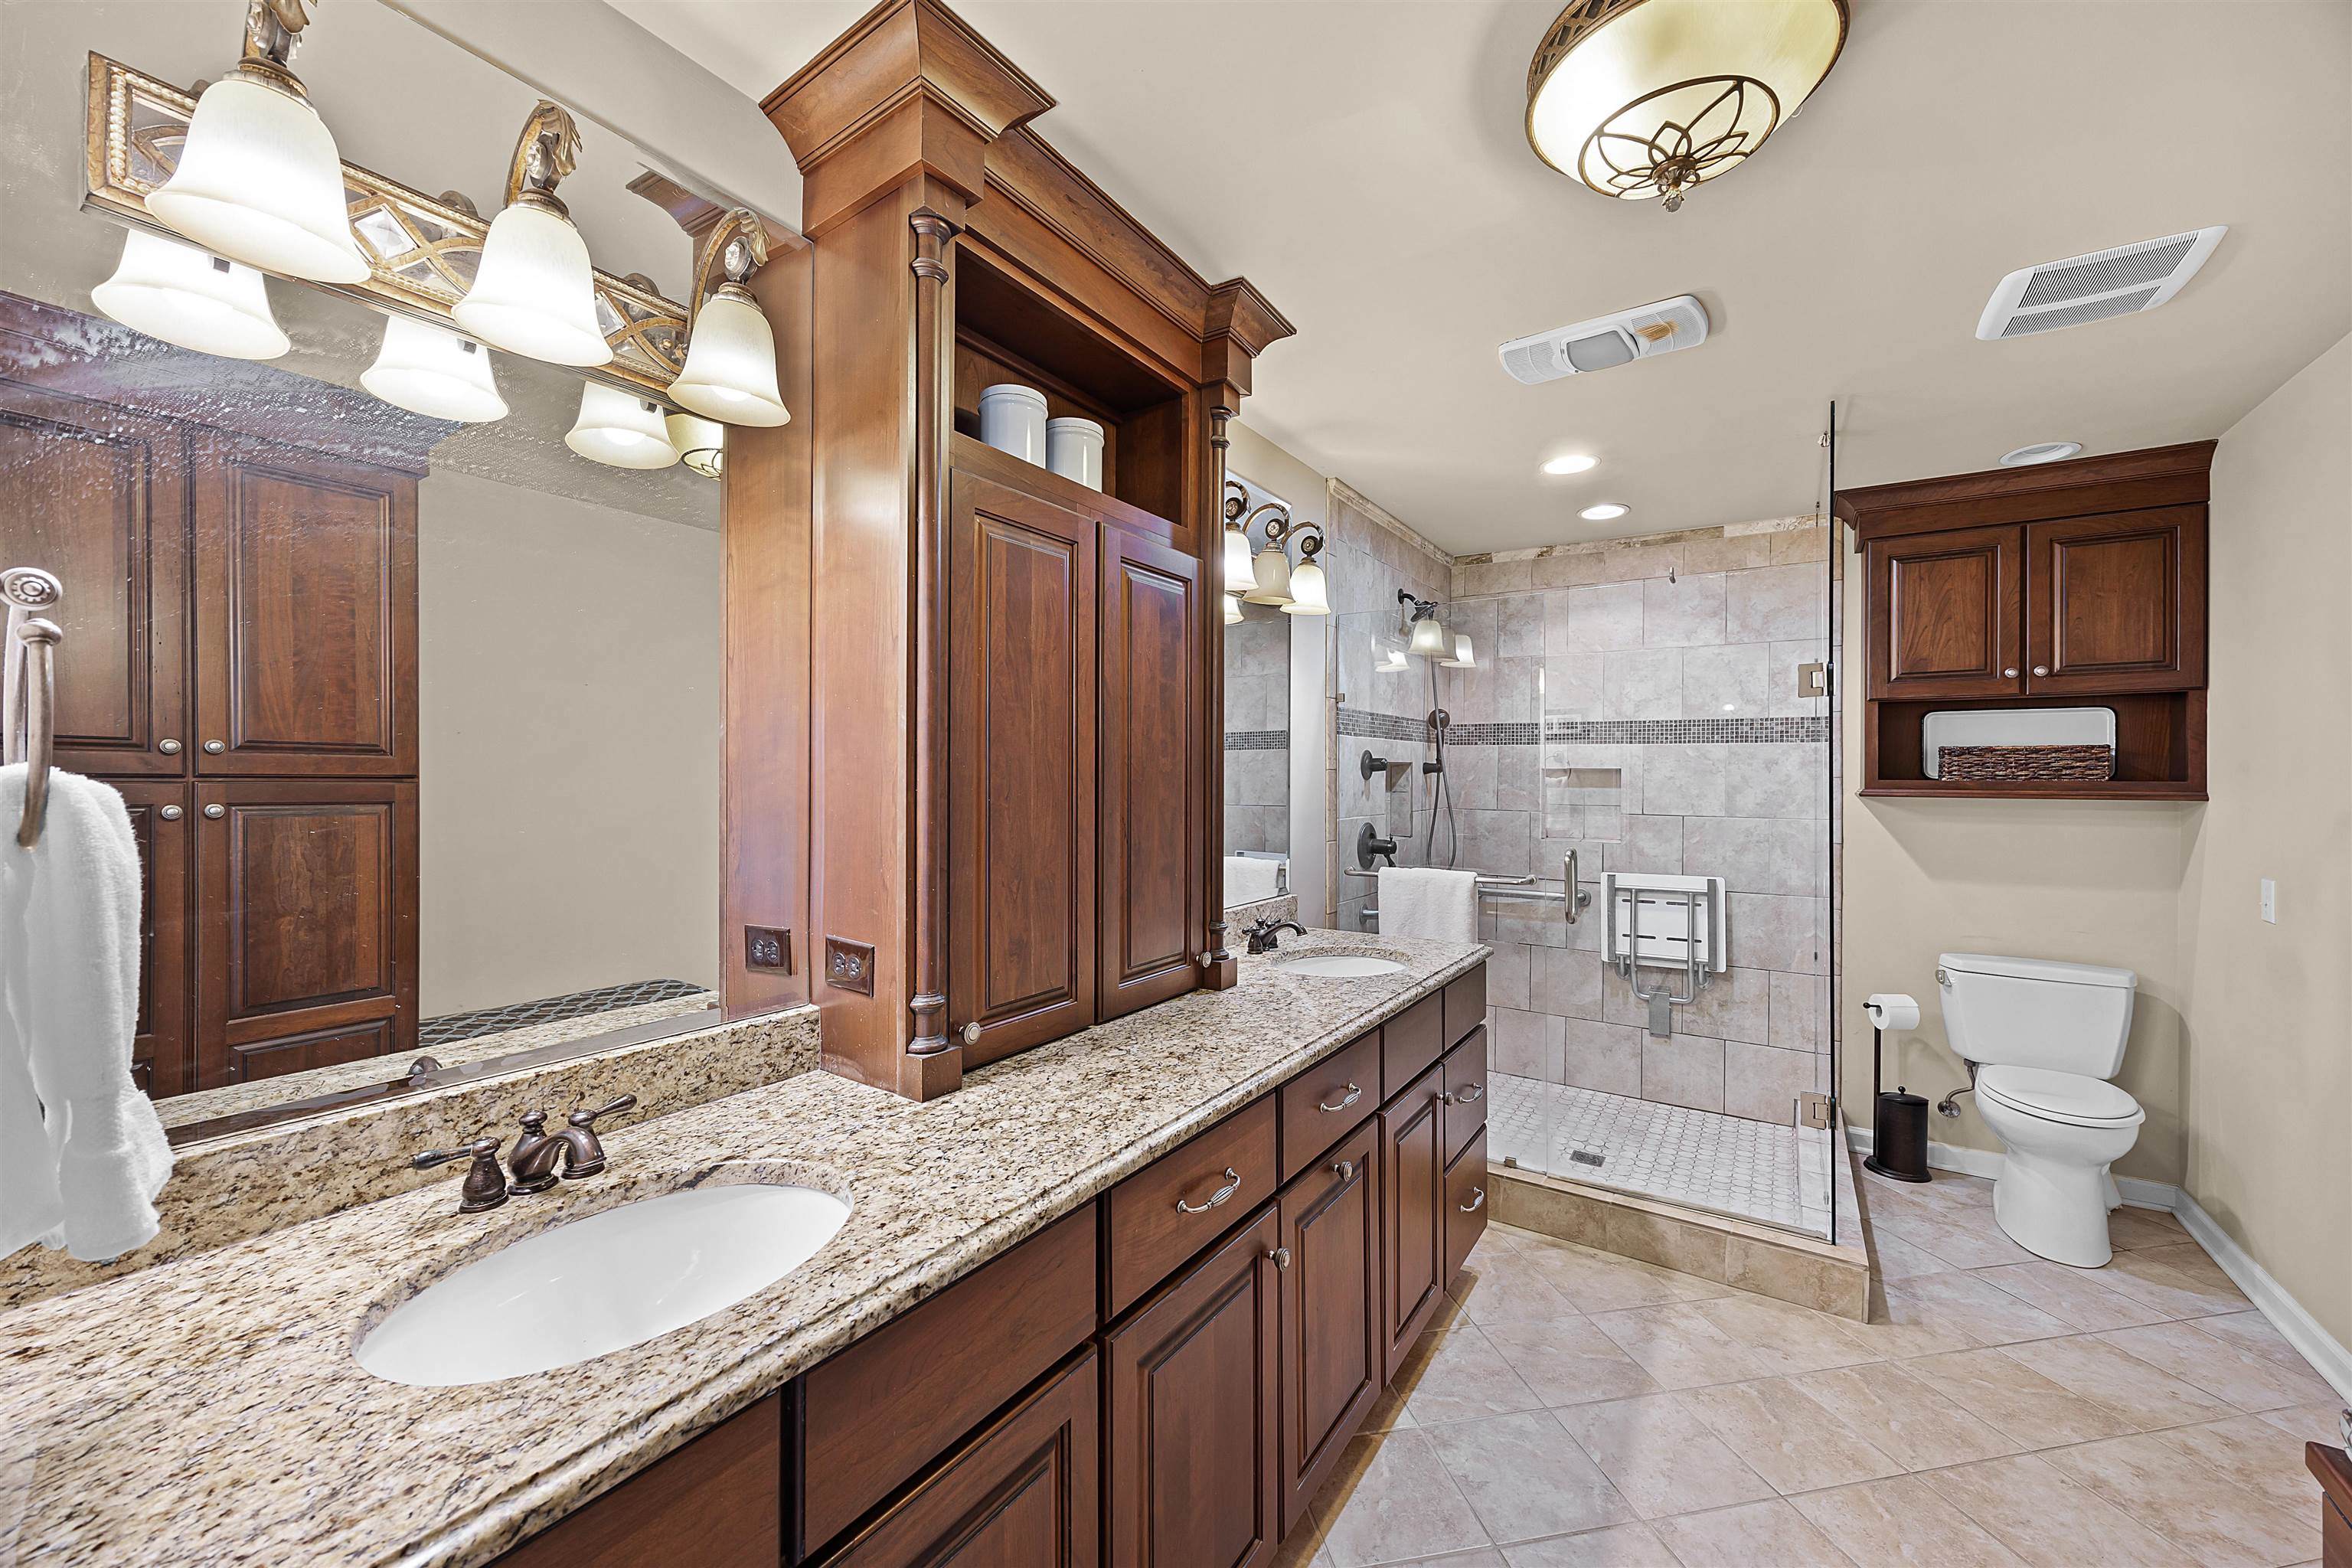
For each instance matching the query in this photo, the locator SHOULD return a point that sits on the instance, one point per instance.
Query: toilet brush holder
(1898, 1128)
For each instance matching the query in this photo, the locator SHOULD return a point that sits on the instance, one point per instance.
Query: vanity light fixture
(730, 354)
(1308, 595)
(1605, 512)
(1241, 576)
(1270, 582)
(701, 443)
(259, 179)
(1643, 98)
(1571, 463)
(2039, 452)
(1233, 609)
(1429, 639)
(1391, 662)
(1460, 660)
(620, 430)
(534, 293)
(437, 373)
(178, 293)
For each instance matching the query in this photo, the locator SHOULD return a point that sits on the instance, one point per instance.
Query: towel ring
(28, 688)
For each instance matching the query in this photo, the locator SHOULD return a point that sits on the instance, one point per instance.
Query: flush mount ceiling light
(258, 178)
(535, 293)
(701, 443)
(620, 430)
(434, 373)
(731, 356)
(1571, 463)
(1643, 98)
(1607, 511)
(179, 294)
(2039, 452)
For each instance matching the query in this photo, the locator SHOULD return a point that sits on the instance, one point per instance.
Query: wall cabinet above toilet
(2064, 585)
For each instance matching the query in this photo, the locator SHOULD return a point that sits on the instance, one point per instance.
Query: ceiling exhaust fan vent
(1604, 342)
(2080, 289)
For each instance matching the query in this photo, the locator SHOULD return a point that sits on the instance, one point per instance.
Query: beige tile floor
(1573, 1409)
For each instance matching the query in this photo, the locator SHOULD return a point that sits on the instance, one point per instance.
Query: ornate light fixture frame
(421, 250)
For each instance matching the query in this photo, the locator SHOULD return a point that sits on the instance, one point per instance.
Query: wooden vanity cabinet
(1334, 1361)
(158, 822)
(1412, 1214)
(714, 1503)
(1946, 613)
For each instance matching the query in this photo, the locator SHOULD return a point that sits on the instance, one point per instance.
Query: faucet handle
(588, 1118)
(486, 1185)
(587, 1150)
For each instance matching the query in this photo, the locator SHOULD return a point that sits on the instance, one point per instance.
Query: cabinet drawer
(1026, 1489)
(1465, 1092)
(1465, 1004)
(1218, 1177)
(1412, 1042)
(879, 1411)
(1322, 1104)
(714, 1503)
(1465, 1204)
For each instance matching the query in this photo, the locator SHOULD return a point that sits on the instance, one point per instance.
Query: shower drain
(1586, 1157)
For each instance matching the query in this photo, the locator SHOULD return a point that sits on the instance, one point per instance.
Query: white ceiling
(1362, 162)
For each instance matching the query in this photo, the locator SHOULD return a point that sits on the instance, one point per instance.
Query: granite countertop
(208, 1410)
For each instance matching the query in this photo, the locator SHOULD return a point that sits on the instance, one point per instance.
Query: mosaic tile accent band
(1687, 731)
(1258, 739)
(1383, 726)
(451, 1027)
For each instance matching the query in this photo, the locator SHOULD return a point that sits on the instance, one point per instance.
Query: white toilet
(2046, 1037)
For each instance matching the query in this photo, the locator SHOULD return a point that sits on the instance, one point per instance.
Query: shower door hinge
(1813, 679)
(1813, 1110)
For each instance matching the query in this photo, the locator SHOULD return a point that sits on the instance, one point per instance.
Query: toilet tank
(2036, 1012)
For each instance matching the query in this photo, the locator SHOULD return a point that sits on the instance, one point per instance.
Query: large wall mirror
(418, 721)
(1257, 705)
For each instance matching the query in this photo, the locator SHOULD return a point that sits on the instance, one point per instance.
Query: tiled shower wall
(1257, 731)
(1372, 556)
(1638, 701)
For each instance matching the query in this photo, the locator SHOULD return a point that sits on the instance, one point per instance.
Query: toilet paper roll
(1893, 1010)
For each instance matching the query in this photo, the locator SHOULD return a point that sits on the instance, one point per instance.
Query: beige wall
(568, 676)
(2269, 1025)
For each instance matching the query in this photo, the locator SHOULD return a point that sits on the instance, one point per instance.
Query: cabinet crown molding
(2153, 476)
(900, 50)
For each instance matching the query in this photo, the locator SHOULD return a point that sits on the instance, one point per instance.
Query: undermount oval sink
(1339, 967)
(601, 1284)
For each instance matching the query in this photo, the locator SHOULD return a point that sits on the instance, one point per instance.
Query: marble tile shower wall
(1257, 731)
(1661, 677)
(1372, 557)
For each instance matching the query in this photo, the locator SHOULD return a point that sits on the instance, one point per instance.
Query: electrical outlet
(2270, 901)
(767, 947)
(850, 965)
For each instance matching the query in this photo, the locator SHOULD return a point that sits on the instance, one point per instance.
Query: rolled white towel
(1428, 901)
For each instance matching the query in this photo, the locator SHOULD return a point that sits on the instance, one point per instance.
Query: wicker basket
(1990, 764)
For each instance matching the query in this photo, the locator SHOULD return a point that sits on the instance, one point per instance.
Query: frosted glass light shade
(532, 293)
(618, 429)
(1241, 576)
(434, 373)
(1460, 660)
(731, 362)
(1308, 596)
(1669, 93)
(1233, 609)
(1391, 662)
(1429, 639)
(179, 294)
(701, 443)
(1269, 577)
(259, 181)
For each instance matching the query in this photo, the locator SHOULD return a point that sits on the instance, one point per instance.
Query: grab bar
(28, 688)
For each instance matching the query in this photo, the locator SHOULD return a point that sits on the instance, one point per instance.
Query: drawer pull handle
(1353, 1095)
(1470, 1095)
(1343, 1169)
(1279, 1258)
(1477, 1202)
(1232, 1184)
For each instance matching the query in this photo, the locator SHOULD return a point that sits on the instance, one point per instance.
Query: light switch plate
(2270, 901)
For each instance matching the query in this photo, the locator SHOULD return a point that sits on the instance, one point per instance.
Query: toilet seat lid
(2069, 1097)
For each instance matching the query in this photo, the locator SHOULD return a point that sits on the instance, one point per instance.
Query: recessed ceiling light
(1570, 463)
(1607, 511)
(2039, 452)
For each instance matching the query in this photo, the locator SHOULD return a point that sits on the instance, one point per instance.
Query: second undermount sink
(601, 1284)
(1339, 967)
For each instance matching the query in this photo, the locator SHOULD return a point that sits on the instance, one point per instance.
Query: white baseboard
(2331, 1360)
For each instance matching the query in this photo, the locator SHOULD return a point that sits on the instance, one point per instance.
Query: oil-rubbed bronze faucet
(486, 1185)
(1266, 935)
(537, 1157)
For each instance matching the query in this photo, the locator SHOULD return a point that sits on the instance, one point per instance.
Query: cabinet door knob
(971, 1033)
(218, 747)
(1279, 1258)
(168, 748)
(2040, 670)
(1344, 1169)
(2009, 674)
(216, 811)
(170, 813)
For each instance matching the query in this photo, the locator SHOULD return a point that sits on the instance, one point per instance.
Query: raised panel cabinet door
(1025, 1492)
(1465, 1204)
(306, 925)
(1332, 1363)
(1153, 818)
(1944, 613)
(1192, 1412)
(2116, 603)
(1020, 800)
(98, 498)
(305, 614)
(160, 1060)
(1412, 1214)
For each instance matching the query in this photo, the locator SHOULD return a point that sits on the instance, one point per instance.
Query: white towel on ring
(1429, 901)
